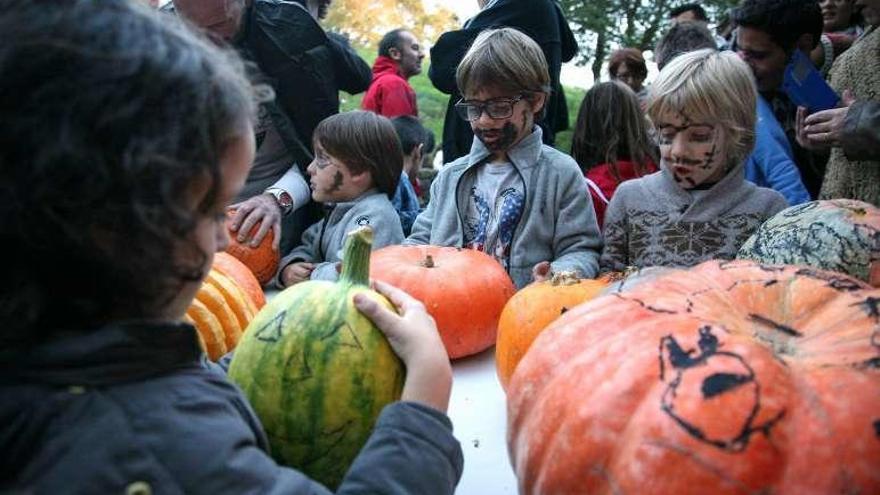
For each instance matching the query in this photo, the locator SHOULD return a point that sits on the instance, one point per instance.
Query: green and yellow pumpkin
(317, 371)
(842, 235)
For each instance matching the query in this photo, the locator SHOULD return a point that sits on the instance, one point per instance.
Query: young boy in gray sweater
(358, 162)
(512, 197)
(698, 206)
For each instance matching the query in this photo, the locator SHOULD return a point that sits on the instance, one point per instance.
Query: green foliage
(603, 24)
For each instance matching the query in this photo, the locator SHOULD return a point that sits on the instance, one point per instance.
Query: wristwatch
(283, 198)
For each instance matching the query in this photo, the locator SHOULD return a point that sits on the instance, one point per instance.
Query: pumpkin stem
(428, 262)
(564, 278)
(356, 256)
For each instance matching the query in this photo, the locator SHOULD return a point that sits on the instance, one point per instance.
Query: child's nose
(312, 168)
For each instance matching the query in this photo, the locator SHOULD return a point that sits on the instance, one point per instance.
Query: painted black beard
(507, 137)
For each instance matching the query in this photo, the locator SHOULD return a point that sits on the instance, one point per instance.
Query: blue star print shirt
(495, 205)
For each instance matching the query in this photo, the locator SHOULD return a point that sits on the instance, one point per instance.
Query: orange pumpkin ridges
(531, 309)
(262, 260)
(216, 300)
(209, 329)
(242, 275)
(236, 300)
(463, 290)
(731, 377)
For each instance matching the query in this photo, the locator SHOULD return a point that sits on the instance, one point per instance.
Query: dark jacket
(390, 94)
(545, 23)
(137, 405)
(306, 67)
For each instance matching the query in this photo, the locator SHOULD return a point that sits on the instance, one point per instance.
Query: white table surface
(477, 408)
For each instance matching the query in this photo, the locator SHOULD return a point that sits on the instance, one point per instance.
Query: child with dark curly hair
(123, 140)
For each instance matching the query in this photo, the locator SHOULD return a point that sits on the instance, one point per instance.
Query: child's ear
(363, 180)
(538, 100)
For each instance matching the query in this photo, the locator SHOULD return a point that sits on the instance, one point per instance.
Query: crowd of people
(130, 133)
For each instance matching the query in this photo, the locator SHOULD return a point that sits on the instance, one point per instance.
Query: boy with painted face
(512, 197)
(699, 205)
(357, 165)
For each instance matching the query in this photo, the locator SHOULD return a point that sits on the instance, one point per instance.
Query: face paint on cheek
(500, 140)
(337, 182)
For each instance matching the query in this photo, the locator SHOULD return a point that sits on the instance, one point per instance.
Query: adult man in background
(541, 20)
(768, 33)
(306, 67)
(400, 57)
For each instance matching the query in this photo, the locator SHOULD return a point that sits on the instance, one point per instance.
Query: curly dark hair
(364, 141)
(110, 114)
(784, 20)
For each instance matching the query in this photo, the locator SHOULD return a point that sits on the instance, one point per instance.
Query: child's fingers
(381, 316)
(403, 301)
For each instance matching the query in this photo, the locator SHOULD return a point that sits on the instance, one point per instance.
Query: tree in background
(602, 24)
(365, 21)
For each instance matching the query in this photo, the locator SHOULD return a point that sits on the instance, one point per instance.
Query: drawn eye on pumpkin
(706, 384)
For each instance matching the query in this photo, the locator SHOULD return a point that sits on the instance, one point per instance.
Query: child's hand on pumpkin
(414, 337)
(541, 271)
(295, 273)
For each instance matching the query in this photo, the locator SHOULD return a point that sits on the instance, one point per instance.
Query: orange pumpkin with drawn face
(731, 377)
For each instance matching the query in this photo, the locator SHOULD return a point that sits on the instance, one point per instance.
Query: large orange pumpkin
(220, 312)
(728, 378)
(262, 260)
(463, 289)
(529, 312)
(242, 276)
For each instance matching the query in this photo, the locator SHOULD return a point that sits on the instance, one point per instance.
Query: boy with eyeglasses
(512, 197)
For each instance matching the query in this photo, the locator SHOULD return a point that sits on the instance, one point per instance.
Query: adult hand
(822, 129)
(541, 271)
(295, 273)
(413, 335)
(262, 210)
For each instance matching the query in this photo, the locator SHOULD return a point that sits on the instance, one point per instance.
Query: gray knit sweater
(652, 221)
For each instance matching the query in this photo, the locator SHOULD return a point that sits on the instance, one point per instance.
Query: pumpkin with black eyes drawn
(728, 378)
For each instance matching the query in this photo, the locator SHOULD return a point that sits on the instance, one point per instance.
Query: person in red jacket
(611, 142)
(400, 57)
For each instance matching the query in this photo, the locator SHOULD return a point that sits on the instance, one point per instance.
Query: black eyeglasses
(496, 108)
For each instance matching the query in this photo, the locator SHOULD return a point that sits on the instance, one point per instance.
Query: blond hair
(710, 86)
(505, 59)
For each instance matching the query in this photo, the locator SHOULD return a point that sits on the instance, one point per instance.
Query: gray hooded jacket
(558, 222)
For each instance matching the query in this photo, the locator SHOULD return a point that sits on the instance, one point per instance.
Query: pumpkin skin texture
(463, 290)
(842, 235)
(529, 312)
(728, 378)
(220, 312)
(317, 371)
(242, 275)
(262, 260)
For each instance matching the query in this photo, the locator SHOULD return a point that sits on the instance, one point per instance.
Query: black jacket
(544, 22)
(137, 405)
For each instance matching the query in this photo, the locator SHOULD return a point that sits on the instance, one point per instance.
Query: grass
(432, 103)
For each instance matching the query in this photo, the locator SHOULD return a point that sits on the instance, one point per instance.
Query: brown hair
(364, 141)
(506, 59)
(633, 59)
(611, 127)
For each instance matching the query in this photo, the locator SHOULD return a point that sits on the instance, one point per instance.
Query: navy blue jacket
(136, 406)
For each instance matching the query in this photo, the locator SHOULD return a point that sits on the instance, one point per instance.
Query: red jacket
(602, 184)
(389, 94)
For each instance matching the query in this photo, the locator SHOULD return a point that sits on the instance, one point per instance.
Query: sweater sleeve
(577, 241)
(352, 73)
(307, 251)
(421, 229)
(614, 253)
(861, 131)
(411, 450)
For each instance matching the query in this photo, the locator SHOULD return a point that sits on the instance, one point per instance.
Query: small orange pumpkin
(463, 289)
(529, 312)
(262, 260)
(221, 311)
(229, 265)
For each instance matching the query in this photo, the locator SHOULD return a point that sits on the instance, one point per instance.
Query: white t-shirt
(494, 207)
